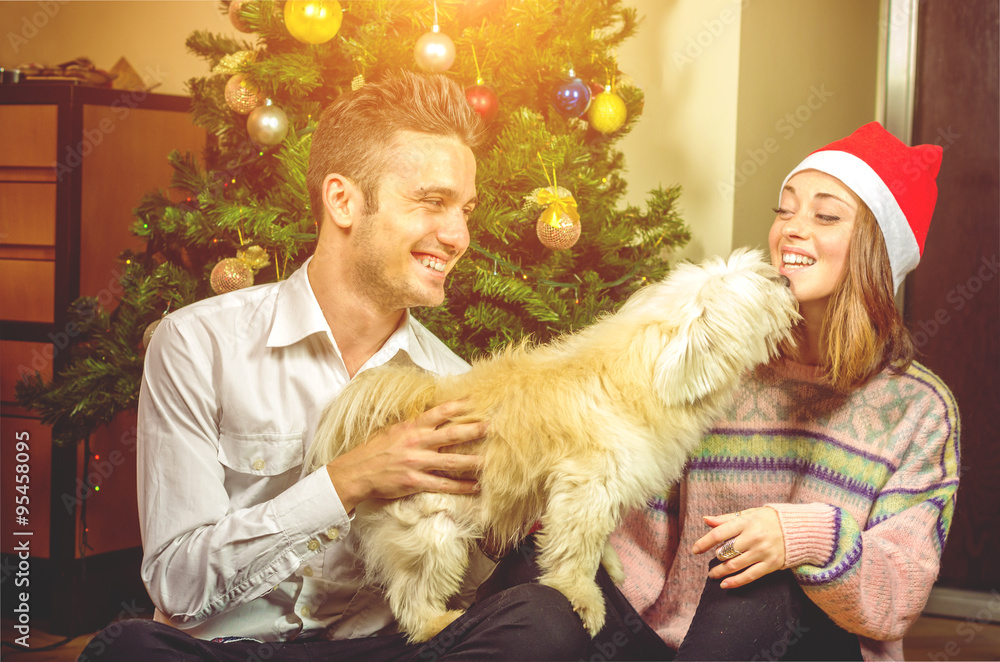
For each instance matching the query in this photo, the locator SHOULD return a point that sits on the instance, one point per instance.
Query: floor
(931, 638)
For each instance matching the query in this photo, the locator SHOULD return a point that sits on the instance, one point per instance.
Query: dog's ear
(693, 363)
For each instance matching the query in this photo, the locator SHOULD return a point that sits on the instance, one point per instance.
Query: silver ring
(727, 551)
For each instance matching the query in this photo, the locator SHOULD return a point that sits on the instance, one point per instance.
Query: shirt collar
(298, 315)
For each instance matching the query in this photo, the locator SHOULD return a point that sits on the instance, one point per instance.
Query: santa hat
(895, 181)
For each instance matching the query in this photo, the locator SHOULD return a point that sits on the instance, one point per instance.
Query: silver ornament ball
(267, 125)
(434, 52)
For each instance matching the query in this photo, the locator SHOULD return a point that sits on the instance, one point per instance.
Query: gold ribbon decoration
(558, 202)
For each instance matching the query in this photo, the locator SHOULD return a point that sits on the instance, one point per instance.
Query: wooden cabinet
(74, 162)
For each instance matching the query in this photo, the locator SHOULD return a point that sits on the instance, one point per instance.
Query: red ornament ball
(483, 100)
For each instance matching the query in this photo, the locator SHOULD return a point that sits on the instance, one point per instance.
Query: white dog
(580, 430)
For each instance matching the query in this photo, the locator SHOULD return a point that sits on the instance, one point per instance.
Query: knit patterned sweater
(864, 486)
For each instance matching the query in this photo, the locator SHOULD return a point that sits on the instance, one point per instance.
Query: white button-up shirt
(236, 541)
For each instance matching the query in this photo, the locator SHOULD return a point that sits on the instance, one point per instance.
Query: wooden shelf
(75, 162)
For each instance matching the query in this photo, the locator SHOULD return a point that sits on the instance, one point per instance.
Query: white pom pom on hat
(897, 182)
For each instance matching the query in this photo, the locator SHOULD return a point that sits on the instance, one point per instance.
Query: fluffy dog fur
(579, 430)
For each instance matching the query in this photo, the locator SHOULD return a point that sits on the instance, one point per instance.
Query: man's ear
(342, 200)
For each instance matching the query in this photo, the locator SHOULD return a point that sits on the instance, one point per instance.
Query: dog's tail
(374, 400)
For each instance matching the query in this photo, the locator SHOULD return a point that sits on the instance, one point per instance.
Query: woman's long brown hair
(863, 332)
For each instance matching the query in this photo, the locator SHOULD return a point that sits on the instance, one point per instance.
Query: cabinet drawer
(28, 135)
(27, 214)
(27, 290)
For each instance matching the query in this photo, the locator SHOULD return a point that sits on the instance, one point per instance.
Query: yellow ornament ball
(607, 112)
(313, 21)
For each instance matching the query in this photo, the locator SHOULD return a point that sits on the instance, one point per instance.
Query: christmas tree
(552, 245)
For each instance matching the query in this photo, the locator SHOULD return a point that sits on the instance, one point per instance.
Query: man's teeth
(433, 263)
(795, 258)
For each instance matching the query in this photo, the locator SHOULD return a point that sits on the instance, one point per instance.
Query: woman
(828, 491)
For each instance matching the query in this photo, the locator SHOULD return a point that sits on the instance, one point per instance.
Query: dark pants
(525, 622)
(768, 619)
(516, 619)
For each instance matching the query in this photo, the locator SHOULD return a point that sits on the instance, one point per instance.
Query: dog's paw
(434, 626)
(591, 613)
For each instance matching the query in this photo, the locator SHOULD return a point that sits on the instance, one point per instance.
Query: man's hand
(757, 536)
(403, 459)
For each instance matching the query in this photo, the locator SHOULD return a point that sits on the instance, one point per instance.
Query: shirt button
(333, 533)
(307, 571)
(313, 545)
(258, 465)
(306, 612)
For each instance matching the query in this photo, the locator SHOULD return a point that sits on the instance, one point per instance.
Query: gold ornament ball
(313, 21)
(229, 275)
(434, 52)
(147, 335)
(558, 231)
(607, 112)
(235, 18)
(241, 96)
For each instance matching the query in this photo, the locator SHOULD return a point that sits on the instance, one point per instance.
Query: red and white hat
(895, 181)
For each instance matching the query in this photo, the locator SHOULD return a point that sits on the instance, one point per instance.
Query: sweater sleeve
(874, 578)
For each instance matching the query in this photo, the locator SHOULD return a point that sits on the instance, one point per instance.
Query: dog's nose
(784, 281)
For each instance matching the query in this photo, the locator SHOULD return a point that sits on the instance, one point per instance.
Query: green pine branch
(507, 288)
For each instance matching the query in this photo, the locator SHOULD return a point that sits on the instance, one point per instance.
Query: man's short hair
(358, 133)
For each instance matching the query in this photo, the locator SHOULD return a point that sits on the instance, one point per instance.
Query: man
(237, 544)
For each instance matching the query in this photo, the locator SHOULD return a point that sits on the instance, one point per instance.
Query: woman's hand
(757, 536)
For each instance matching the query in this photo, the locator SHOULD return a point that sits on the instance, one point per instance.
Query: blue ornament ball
(571, 97)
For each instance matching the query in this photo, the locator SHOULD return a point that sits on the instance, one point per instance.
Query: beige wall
(736, 91)
(149, 34)
(808, 75)
(685, 58)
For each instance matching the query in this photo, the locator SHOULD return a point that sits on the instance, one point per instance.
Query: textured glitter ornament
(313, 21)
(235, 18)
(231, 274)
(483, 100)
(607, 112)
(558, 226)
(358, 82)
(558, 230)
(234, 63)
(241, 96)
(254, 257)
(147, 335)
(267, 125)
(571, 97)
(434, 51)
